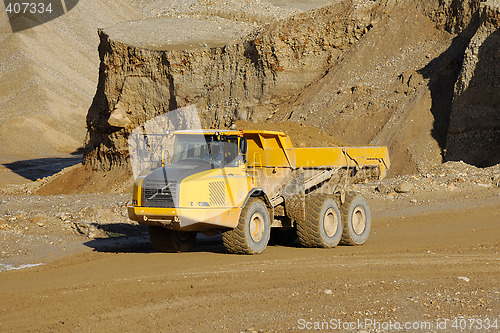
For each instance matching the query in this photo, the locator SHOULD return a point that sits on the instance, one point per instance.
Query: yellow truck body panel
(359, 157)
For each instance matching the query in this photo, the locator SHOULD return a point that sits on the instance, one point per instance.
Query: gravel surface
(247, 10)
(36, 228)
(455, 179)
(425, 268)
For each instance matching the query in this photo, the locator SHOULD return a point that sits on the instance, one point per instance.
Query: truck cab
(201, 184)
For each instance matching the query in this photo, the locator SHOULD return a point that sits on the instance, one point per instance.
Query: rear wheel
(252, 233)
(322, 226)
(356, 219)
(167, 240)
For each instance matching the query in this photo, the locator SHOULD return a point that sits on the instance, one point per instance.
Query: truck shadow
(141, 244)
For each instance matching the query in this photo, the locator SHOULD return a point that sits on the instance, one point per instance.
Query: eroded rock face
(452, 15)
(377, 72)
(381, 91)
(245, 79)
(474, 131)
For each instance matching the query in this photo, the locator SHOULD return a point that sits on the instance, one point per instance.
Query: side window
(231, 151)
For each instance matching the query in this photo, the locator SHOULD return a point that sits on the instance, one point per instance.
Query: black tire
(283, 237)
(167, 240)
(252, 233)
(322, 226)
(356, 219)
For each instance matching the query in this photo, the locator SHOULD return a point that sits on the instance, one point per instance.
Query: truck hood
(175, 173)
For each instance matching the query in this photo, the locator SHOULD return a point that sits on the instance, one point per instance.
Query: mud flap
(294, 196)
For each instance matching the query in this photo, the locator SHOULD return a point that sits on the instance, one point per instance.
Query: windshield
(223, 152)
(152, 143)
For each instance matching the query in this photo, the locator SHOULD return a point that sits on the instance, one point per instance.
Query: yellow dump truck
(245, 183)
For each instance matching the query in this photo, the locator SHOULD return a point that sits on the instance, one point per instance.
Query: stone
(404, 187)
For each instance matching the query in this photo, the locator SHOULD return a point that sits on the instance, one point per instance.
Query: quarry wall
(261, 76)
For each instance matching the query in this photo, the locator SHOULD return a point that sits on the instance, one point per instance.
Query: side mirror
(243, 145)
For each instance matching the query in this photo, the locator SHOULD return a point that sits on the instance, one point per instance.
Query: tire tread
(235, 240)
(308, 230)
(344, 213)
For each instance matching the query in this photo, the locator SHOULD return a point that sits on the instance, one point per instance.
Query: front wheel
(356, 220)
(252, 233)
(167, 240)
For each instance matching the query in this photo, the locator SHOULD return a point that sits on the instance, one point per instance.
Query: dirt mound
(76, 179)
(401, 95)
(243, 80)
(301, 135)
(382, 95)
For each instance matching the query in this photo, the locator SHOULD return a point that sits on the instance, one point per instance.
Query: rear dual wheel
(356, 217)
(328, 224)
(322, 226)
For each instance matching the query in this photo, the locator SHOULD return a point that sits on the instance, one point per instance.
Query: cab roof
(227, 132)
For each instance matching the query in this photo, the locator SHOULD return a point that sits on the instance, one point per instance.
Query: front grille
(160, 193)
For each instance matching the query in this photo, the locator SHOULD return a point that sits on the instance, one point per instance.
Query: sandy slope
(48, 76)
(376, 94)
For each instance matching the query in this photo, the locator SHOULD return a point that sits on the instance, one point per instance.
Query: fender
(259, 192)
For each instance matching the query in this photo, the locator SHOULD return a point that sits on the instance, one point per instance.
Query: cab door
(234, 171)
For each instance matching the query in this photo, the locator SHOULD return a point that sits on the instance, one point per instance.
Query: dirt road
(426, 269)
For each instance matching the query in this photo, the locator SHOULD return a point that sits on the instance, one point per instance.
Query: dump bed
(269, 149)
(360, 157)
